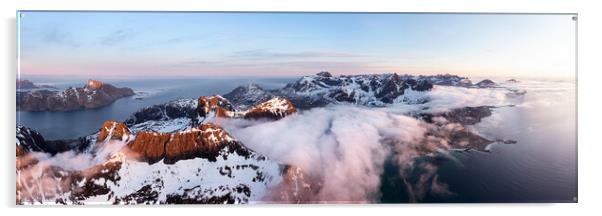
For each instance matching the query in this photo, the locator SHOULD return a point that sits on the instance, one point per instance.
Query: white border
(589, 100)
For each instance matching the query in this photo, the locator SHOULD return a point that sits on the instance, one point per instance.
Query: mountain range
(177, 152)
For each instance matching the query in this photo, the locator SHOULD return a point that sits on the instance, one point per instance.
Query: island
(94, 94)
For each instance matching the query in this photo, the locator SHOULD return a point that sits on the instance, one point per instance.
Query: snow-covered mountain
(178, 152)
(370, 90)
(171, 159)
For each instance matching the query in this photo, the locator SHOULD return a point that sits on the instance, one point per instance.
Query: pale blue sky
(108, 44)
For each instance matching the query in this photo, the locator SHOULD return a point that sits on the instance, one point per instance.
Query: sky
(154, 44)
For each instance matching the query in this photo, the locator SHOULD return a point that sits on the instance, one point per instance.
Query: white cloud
(343, 146)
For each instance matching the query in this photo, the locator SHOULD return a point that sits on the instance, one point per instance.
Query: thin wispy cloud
(183, 39)
(117, 37)
(270, 54)
(406, 43)
(55, 35)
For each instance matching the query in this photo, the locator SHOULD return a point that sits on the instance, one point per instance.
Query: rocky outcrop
(446, 80)
(464, 115)
(224, 170)
(181, 108)
(323, 89)
(25, 84)
(246, 96)
(486, 83)
(29, 140)
(217, 106)
(275, 108)
(150, 146)
(356, 89)
(113, 130)
(205, 141)
(93, 95)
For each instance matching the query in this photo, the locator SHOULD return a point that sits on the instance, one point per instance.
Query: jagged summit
(324, 74)
(217, 106)
(248, 95)
(486, 83)
(370, 90)
(93, 84)
(323, 88)
(203, 164)
(29, 140)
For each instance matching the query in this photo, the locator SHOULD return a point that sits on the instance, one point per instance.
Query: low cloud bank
(345, 147)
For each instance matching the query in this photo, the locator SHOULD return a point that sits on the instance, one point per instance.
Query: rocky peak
(25, 84)
(216, 105)
(486, 83)
(29, 140)
(181, 108)
(275, 108)
(418, 85)
(114, 130)
(324, 74)
(245, 96)
(93, 84)
(204, 141)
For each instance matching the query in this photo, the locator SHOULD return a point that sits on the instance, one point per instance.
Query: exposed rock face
(246, 96)
(25, 84)
(113, 130)
(94, 84)
(357, 89)
(324, 74)
(29, 140)
(150, 146)
(323, 89)
(95, 94)
(275, 108)
(464, 116)
(217, 106)
(201, 165)
(206, 142)
(449, 126)
(181, 108)
(486, 83)
(446, 80)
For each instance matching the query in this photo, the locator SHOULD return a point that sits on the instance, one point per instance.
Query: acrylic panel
(118, 107)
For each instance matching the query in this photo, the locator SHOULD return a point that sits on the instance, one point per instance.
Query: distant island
(28, 85)
(93, 95)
